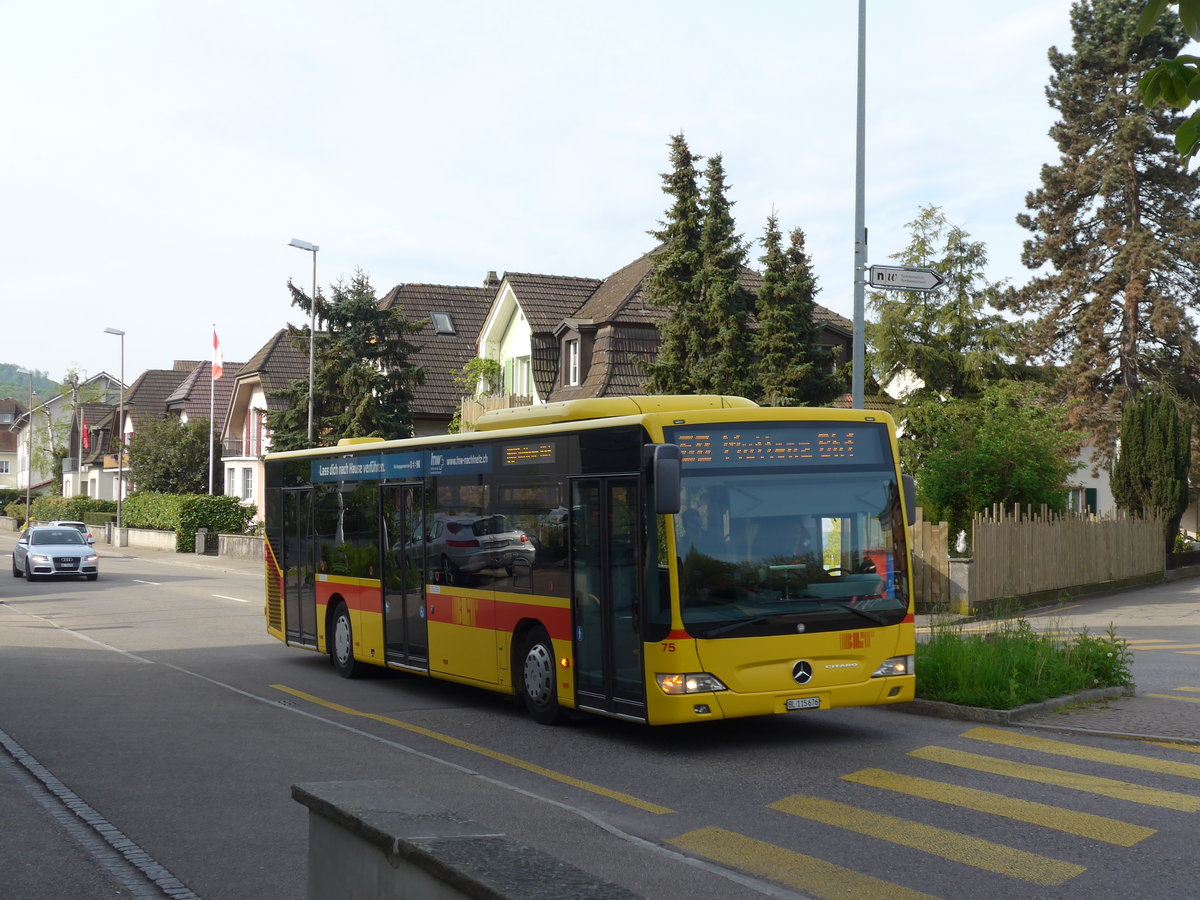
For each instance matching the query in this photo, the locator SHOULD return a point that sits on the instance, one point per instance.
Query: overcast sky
(157, 157)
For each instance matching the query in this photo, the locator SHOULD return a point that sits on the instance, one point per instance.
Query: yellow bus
(660, 559)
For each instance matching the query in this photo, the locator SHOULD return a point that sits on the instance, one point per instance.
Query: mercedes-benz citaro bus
(661, 559)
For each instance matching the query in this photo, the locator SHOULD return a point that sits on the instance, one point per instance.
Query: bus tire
(539, 679)
(341, 643)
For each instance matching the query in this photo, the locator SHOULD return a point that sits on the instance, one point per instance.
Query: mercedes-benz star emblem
(802, 672)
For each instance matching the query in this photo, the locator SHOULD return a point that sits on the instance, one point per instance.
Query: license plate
(804, 703)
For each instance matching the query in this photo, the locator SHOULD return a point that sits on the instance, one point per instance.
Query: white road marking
(139, 581)
(238, 599)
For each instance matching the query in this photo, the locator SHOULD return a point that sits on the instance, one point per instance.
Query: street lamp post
(121, 442)
(28, 444)
(312, 324)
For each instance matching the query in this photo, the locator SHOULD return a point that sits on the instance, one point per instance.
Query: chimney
(491, 281)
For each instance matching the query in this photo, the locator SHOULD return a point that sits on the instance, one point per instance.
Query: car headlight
(897, 665)
(91, 558)
(690, 683)
(39, 559)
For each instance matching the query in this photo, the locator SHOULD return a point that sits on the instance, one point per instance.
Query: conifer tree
(1150, 473)
(671, 284)
(720, 348)
(791, 369)
(946, 338)
(1116, 239)
(363, 378)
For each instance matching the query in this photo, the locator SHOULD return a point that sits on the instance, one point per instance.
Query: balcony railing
(237, 448)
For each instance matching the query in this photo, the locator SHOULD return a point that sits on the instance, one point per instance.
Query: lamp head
(114, 331)
(303, 245)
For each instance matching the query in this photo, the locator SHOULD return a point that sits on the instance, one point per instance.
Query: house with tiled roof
(11, 412)
(252, 392)
(562, 338)
(199, 397)
(53, 421)
(98, 469)
(452, 317)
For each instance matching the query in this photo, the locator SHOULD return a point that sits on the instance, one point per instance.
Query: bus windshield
(790, 550)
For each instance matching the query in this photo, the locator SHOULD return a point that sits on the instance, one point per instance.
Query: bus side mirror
(910, 498)
(666, 479)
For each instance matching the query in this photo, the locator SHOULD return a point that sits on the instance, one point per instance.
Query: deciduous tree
(166, 457)
(1010, 445)
(952, 339)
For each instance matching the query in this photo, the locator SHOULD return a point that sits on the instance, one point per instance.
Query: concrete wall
(373, 840)
(240, 546)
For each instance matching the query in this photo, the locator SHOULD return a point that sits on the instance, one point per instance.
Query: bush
(47, 509)
(184, 514)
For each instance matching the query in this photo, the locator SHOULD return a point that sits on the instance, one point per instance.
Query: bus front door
(299, 583)
(606, 600)
(405, 627)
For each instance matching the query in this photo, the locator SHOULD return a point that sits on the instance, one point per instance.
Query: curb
(943, 710)
(1017, 717)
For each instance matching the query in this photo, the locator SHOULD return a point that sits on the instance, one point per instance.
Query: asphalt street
(48, 849)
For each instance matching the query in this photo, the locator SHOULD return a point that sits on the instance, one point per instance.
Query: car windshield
(781, 552)
(56, 536)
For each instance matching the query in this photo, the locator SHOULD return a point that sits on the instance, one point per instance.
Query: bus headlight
(691, 683)
(897, 665)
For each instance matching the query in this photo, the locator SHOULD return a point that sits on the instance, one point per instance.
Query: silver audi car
(50, 551)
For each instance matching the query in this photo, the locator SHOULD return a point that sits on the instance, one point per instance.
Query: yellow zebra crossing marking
(1106, 787)
(1091, 754)
(1087, 825)
(805, 873)
(960, 848)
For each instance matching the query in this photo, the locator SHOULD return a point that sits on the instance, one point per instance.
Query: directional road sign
(905, 278)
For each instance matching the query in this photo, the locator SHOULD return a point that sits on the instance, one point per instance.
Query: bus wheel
(341, 647)
(539, 679)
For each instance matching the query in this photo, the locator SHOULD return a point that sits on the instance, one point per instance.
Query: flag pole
(212, 408)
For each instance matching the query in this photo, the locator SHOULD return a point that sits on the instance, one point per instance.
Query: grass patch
(1013, 665)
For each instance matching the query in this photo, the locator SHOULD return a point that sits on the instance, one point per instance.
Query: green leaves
(1174, 82)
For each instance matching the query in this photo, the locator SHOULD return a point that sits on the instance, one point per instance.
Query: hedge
(184, 514)
(48, 509)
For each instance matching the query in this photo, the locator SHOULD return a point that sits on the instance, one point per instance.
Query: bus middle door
(606, 596)
(406, 629)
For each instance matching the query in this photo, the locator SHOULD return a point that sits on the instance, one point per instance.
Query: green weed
(1012, 664)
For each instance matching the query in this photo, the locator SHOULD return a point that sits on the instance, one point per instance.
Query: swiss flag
(87, 438)
(218, 362)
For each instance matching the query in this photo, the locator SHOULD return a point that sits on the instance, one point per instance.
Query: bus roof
(602, 408)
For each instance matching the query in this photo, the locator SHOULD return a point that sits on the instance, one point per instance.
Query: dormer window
(572, 367)
(442, 323)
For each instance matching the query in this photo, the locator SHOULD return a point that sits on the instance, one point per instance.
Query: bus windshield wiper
(745, 623)
(791, 617)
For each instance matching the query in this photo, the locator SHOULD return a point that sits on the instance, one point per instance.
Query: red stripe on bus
(362, 597)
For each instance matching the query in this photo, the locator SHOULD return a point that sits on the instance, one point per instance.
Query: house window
(442, 323)
(4, 467)
(517, 378)
(5, 418)
(573, 362)
(1082, 500)
(230, 482)
(247, 484)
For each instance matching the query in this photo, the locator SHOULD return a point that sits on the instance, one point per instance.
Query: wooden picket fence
(931, 563)
(1022, 551)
